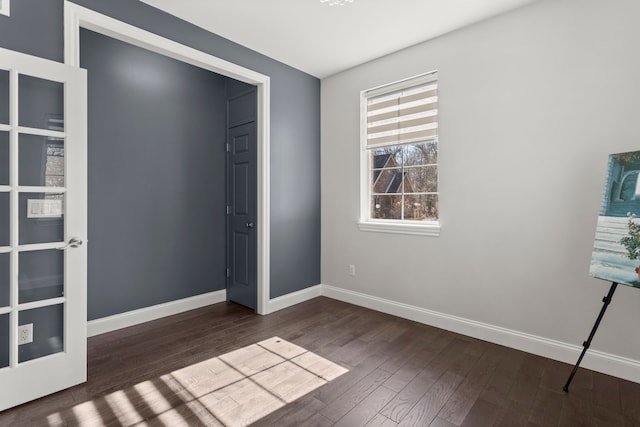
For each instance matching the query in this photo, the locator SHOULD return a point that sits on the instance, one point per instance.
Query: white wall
(531, 104)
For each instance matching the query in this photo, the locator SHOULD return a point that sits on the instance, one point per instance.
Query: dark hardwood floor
(401, 373)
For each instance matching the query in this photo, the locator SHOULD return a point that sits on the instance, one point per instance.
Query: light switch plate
(44, 208)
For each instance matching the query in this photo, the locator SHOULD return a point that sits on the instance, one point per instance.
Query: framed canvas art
(616, 249)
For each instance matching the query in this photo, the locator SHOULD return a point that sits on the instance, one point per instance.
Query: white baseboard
(294, 298)
(135, 317)
(610, 364)
(606, 363)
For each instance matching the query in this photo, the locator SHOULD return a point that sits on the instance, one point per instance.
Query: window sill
(432, 229)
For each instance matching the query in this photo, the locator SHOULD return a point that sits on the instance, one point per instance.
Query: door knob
(73, 243)
(249, 225)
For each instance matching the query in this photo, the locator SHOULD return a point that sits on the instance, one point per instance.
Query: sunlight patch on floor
(122, 407)
(156, 402)
(232, 390)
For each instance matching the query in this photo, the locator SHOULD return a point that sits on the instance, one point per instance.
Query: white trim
(294, 298)
(264, 196)
(41, 132)
(40, 246)
(400, 227)
(35, 189)
(44, 303)
(76, 17)
(364, 162)
(14, 218)
(599, 361)
(396, 86)
(5, 7)
(147, 314)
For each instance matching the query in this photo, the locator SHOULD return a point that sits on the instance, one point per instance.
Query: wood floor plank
(427, 408)
(513, 413)
(398, 408)
(318, 420)
(546, 408)
(423, 353)
(606, 392)
(554, 376)
(366, 410)
(582, 385)
(337, 387)
(345, 402)
(527, 380)
(602, 416)
(400, 372)
(439, 422)
(575, 412)
(416, 342)
(299, 412)
(630, 400)
(482, 413)
(460, 403)
(389, 329)
(381, 421)
(502, 380)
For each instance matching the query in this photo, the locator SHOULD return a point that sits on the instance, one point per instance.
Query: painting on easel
(616, 251)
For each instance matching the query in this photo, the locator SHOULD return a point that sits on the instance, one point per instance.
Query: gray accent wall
(36, 27)
(156, 199)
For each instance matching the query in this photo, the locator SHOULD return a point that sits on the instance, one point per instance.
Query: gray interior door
(242, 203)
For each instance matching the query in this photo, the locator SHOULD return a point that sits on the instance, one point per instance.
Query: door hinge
(228, 147)
(228, 273)
(228, 210)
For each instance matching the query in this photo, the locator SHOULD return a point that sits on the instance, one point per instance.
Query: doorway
(156, 136)
(77, 17)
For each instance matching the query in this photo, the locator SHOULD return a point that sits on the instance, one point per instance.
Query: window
(399, 180)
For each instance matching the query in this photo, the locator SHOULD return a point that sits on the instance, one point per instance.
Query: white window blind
(405, 115)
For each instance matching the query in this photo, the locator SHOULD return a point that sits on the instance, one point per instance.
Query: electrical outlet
(25, 334)
(352, 270)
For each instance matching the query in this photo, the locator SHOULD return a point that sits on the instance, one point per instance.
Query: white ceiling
(323, 40)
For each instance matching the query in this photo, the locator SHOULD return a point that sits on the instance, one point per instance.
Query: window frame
(398, 226)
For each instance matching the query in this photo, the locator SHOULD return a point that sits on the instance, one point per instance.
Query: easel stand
(606, 300)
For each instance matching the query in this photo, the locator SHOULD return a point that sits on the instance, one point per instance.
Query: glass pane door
(40, 217)
(5, 214)
(42, 206)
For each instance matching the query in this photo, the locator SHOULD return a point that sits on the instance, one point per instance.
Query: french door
(43, 227)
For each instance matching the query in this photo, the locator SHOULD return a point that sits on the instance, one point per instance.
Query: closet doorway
(77, 17)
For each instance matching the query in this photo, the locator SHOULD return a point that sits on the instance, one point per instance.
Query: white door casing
(65, 366)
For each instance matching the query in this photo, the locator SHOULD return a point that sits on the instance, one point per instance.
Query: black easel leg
(606, 300)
